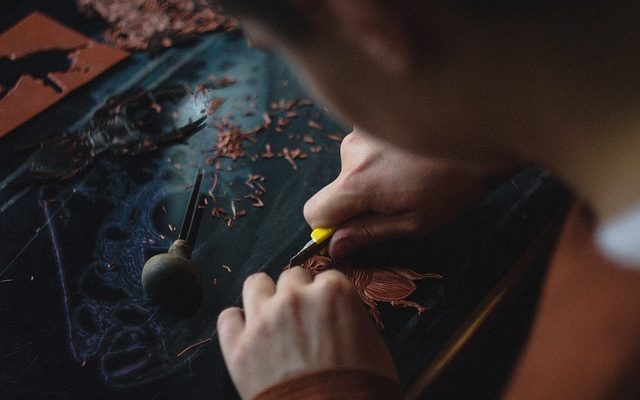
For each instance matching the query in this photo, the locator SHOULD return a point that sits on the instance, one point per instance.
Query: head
(460, 78)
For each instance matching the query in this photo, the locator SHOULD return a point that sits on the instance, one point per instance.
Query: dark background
(74, 322)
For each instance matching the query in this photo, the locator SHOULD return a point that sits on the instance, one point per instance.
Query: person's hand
(385, 193)
(302, 324)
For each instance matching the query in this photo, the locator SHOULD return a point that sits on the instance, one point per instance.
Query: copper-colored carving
(390, 285)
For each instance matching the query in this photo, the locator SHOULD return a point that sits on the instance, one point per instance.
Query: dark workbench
(74, 323)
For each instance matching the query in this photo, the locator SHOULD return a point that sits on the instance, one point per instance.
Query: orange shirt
(584, 344)
(585, 340)
(338, 384)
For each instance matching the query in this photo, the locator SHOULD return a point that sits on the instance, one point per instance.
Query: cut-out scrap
(41, 61)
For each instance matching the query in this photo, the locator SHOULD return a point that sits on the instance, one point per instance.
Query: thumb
(369, 229)
(334, 204)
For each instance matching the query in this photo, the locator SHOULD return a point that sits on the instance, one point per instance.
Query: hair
(571, 20)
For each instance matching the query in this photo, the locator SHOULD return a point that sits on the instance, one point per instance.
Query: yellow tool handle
(319, 235)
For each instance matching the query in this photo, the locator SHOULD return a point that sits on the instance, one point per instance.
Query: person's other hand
(385, 193)
(302, 324)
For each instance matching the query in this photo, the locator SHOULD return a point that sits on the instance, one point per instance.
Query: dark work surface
(74, 323)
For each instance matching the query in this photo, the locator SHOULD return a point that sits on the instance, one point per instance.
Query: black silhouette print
(39, 65)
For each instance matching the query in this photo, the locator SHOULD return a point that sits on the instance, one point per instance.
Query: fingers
(256, 290)
(368, 229)
(293, 278)
(345, 197)
(337, 295)
(333, 205)
(333, 281)
(230, 326)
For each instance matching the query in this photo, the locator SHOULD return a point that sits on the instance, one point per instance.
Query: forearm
(586, 336)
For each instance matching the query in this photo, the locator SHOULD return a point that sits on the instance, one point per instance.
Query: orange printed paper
(41, 61)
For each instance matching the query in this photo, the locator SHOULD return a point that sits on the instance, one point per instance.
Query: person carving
(456, 92)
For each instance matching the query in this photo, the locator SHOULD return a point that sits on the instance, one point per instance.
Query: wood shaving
(218, 212)
(314, 125)
(213, 105)
(267, 151)
(230, 140)
(292, 155)
(255, 200)
(154, 24)
(194, 346)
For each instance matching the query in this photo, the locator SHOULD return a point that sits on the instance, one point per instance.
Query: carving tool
(171, 279)
(319, 239)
